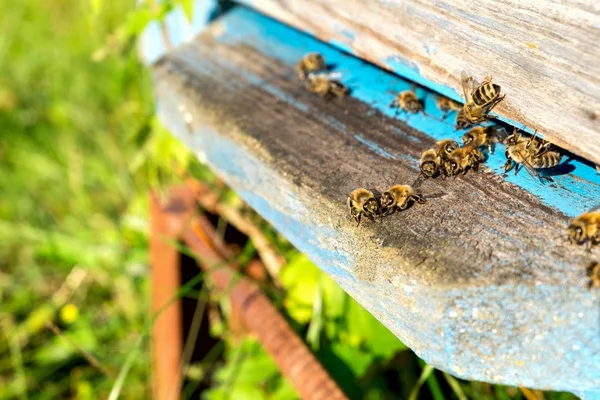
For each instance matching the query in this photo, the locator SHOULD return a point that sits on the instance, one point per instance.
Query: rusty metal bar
(166, 221)
(171, 220)
(292, 356)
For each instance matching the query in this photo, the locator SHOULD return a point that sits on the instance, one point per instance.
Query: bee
(445, 104)
(461, 121)
(462, 159)
(311, 62)
(532, 153)
(480, 100)
(407, 101)
(363, 202)
(324, 85)
(399, 198)
(593, 272)
(432, 159)
(585, 229)
(481, 136)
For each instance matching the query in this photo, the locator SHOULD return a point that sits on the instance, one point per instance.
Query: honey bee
(482, 136)
(585, 229)
(462, 159)
(532, 153)
(432, 159)
(407, 101)
(324, 85)
(480, 98)
(446, 105)
(363, 202)
(399, 198)
(311, 62)
(461, 121)
(593, 272)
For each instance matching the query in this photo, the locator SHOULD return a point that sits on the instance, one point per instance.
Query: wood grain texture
(481, 282)
(543, 53)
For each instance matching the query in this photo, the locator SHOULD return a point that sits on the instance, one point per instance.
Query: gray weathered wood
(544, 53)
(481, 282)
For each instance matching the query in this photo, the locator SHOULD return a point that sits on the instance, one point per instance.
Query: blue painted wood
(552, 80)
(536, 329)
(573, 194)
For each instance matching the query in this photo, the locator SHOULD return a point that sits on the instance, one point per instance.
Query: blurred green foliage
(79, 148)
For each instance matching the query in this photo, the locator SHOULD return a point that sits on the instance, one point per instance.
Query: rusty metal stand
(175, 219)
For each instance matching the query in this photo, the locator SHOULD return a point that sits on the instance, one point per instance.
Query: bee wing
(467, 85)
(418, 182)
(528, 166)
(596, 208)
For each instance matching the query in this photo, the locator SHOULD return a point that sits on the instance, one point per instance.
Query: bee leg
(517, 168)
(370, 217)
(420, 199)
(490, 148)
(444, 115)
(357, 218)
(508, 165)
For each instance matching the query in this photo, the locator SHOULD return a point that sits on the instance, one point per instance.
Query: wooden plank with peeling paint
(544, 53)
(481, 282)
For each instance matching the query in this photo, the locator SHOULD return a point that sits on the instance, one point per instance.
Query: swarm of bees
(362, 202)
(313, 70)
(447, 158)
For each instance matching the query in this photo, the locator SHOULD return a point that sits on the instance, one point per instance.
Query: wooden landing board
(544, 53)
(481, 282)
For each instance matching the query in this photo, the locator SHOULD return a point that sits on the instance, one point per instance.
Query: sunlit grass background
(79, 149)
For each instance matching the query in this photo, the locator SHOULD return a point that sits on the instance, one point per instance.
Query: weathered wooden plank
(480, 283)
(544, 53)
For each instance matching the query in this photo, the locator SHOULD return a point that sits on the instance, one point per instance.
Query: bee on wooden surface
(407, 101)
(446, 105)
(532, 153)
(463, 159)
(593, 273)
(482, 136)
(311, 62)
(480, 98)
(363, 202)
(399, 198)
(585, 229)
(432, 159)
(324, 85)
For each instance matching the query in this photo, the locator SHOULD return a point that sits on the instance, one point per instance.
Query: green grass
(79, 149)
(71, 204)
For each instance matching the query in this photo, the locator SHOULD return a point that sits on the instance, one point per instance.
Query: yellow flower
(69, 313)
